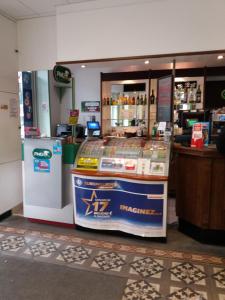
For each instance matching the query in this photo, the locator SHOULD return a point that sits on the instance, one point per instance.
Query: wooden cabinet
(200, 189)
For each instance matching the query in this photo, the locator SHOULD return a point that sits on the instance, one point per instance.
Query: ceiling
(25, 9)
(162, 63)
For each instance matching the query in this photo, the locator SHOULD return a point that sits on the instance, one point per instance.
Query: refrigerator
(43, 172)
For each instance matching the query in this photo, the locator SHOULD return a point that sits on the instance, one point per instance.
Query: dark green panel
(69, 153)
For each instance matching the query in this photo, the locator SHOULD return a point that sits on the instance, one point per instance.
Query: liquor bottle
(107, 101)
(145, 100)
(141, 100)
(185, 97)
(191, 96)
(133, 100)
(191, 99)
(138, 100)
(152, 98)
(198, 94)
(154, 130)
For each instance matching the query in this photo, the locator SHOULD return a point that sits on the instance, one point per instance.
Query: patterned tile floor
(150, 273)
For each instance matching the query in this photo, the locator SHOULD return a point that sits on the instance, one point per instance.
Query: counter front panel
(110, 203)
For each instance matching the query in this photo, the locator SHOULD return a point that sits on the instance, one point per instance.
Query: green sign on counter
(42, 153)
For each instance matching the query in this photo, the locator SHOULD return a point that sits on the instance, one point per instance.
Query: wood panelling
(217, 207)
(200, 187)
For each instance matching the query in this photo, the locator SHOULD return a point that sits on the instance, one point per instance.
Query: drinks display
(187, 93)
(122, 99)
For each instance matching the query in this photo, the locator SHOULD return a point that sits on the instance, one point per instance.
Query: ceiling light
(83, 66)
(220, 57)
(147, 62)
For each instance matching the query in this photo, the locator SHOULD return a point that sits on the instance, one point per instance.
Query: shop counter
(121, 200)
(200, 192)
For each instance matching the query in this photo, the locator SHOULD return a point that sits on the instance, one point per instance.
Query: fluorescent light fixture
(220, 57)
(147, 62)
(83, 66)
(128, 81)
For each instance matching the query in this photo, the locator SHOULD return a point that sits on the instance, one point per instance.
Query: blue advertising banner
(117, 204)
(27, 99)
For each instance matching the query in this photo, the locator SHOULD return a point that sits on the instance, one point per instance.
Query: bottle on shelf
(185, 95)
(152, 97)
(138, 100)
(154, 129)
(107, 101)
(198, 94)
(191, 98)
(133, 100)
(125, 100)
(145, 100)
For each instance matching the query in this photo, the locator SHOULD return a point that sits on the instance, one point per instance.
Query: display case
(121, 184)
(125, 107)
(89, 154)
(133, 155)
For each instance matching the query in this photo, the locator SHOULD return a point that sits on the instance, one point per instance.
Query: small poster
(130, 165)
(143, 166)
(157, 168)
(57, 148)
(200, 135)
(41, 165)
(112, 164)
(90, 106)
(73, 118)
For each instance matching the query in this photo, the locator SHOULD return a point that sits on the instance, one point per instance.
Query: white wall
(115, 28)
(37, 43)
(10, 154)
(87, 88)
(8, 57)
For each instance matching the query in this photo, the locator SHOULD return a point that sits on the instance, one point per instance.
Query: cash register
(93, 129)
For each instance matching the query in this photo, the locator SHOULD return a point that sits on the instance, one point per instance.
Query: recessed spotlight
(147, 62)
(220, 57)
(83, 66)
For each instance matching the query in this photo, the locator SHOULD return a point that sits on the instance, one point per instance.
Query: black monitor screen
(191, 122)
(188, 118)
(93, 125)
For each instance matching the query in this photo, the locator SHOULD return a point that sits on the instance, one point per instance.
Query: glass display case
(89, 154)
(133, 155)
(125, 107)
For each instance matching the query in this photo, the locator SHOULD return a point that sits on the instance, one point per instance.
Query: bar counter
(200, 193)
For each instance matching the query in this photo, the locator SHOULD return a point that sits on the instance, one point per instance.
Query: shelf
(123, 119)
(112, 105)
